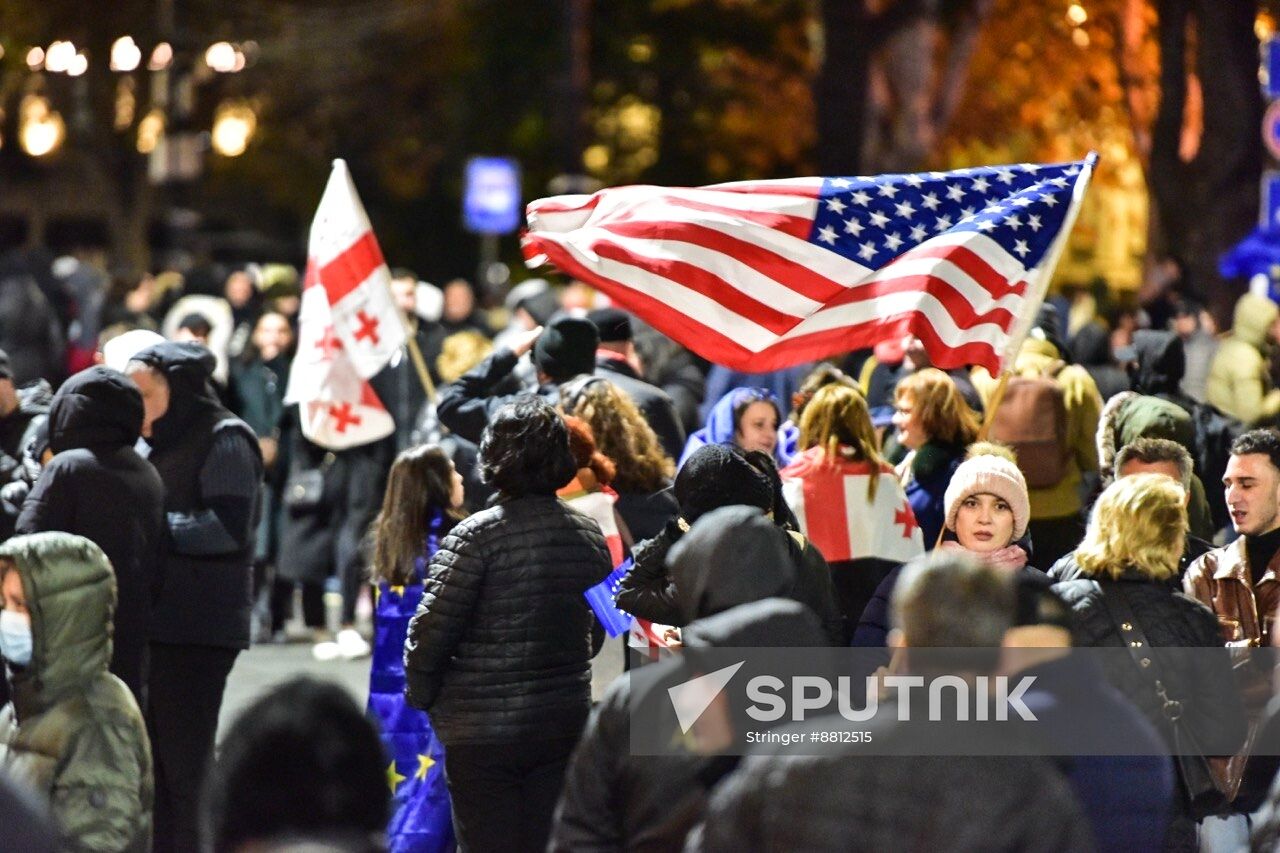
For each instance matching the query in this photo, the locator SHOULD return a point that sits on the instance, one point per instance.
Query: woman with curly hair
(847, 500)
(500, 649)
(935, 424)
(643, 472)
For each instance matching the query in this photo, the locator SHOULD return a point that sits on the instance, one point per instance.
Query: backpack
(1032, 419)
(1215, 433)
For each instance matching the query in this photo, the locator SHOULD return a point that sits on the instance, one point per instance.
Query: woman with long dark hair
(420, 507)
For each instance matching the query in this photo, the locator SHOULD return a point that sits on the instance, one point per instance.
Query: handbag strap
(1140, 648)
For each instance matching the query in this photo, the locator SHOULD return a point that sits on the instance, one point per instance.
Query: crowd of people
(163, 511)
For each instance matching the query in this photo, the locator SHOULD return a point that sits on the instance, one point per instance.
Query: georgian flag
(337, 408)
(343, 258)
(830, 502)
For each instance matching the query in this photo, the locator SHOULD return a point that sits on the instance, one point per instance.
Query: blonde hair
(623, 435)
(837, 420)
(940, 410)
(1139, 523)
(460, 352)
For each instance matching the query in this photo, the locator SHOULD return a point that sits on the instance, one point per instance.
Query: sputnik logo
(694, 696)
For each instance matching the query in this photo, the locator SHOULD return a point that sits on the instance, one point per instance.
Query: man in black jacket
(98, 487)
(564, 349)
(211, 467)
(616, 360)
(23, 411)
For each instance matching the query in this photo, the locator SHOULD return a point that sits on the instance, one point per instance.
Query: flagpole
(420, 364)
(1027, 319)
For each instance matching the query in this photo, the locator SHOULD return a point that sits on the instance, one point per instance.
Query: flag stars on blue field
(873, 220)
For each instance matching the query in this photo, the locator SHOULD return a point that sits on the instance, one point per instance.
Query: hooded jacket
(97, 486)
(1239, 383)
(211, 467)
(614, 799)
(720, 426)
(73, 731)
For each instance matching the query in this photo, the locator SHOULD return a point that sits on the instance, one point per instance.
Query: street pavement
(265, 666)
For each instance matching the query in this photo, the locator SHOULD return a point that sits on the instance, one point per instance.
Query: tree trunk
(840, 91)
(1230, 155)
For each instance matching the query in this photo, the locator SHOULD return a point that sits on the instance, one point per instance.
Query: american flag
(760, 275)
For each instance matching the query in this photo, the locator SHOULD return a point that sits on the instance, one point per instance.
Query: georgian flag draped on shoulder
(761, 275)
(349, 326)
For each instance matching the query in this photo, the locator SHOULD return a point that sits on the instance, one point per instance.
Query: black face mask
(184, 405)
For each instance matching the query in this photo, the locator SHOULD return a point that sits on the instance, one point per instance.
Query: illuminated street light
(1076, 14)
(35, 58)
(150, 130)
(40, 129)
(221, 57)
(233, 126)
(160, 57)
(59, 57)
(125, 54)
(79, 65)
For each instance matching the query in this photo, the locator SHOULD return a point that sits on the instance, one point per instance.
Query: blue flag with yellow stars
(420, 820)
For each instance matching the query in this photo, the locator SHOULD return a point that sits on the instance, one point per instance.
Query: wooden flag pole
(420, 364)
(997, 397)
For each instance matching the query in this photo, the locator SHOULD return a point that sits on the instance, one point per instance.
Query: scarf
(1009, 558)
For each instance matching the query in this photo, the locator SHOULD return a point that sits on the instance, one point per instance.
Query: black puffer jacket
(98, 487)
(501, 645)
(1200, 680)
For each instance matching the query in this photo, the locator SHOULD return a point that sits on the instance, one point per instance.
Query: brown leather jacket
(1245, 611)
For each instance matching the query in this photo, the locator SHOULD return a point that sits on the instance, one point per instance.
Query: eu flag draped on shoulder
(761, 275)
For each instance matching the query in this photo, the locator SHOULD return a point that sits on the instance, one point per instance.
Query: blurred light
(35, 58)
(596, 158)
(233, 126)
(640, 50)
(40, 129)
(238, 65)
(1080, 37)
(1264, 26)
(60, 56)
(221, 57)
(126, 104)
(150, 129)
(1, 51)
(160, 57)
(1076, 14)
(79, 65)
(125, 54)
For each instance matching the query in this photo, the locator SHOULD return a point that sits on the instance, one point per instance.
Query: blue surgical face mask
(15, 637)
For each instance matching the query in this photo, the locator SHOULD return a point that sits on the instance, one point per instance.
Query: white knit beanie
(991, 475)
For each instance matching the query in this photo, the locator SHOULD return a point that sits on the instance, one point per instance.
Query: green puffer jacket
(1239, 383)
(73, 731)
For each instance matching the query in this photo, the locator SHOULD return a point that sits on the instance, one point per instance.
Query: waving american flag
(760, 275)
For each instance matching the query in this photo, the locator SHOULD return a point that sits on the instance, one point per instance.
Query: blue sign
(1269, 211)
(491, 201)
(1271, 68)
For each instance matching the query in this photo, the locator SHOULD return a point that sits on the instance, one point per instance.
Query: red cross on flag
(343, 258)
(338, 409)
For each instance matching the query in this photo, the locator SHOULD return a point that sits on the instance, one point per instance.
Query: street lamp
(125, 54)
(40, 129)
(233, 126)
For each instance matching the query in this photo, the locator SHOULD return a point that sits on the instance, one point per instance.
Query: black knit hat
(567, 348)
(614, 323)
(716, 475)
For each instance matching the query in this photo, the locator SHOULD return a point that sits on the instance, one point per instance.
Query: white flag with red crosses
(337, 408)
(343, 257)
(348, 325)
